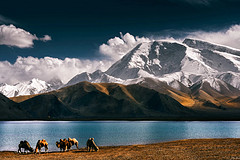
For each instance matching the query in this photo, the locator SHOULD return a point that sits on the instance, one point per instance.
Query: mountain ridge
(102, 100)
(87, 100)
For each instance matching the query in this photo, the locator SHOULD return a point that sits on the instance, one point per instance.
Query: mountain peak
(152, 58)
(33, 86)
(55, 83)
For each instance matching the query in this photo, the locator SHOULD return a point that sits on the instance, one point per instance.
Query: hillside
(10, 110)
(87, 100)
(103, 101)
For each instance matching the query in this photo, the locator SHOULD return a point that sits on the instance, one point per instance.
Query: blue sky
(77, 28)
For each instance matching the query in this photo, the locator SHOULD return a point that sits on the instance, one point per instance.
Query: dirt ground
(183, 149)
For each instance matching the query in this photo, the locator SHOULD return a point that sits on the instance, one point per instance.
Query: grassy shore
(183, 149)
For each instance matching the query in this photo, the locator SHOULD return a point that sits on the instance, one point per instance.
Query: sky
(59, 39)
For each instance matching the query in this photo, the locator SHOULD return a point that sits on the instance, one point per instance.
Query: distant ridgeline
(162, 80)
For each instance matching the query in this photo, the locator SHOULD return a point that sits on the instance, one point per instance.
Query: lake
(112, 132)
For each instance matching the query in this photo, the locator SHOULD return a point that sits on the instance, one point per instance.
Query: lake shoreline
(223, 148)
(193, 118)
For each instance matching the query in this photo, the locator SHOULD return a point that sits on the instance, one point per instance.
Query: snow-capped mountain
(179, 64)
(35, 86)
(187, 62)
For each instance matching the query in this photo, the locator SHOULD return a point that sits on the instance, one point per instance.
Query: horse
(73, 141)
(25, 145)
(91, 145)
(64, 145)
(40, 144)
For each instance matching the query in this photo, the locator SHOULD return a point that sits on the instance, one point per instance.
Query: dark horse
(25, 145)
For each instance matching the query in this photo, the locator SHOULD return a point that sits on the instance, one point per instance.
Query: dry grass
(20, 99)
(184, 100)
(193, 149)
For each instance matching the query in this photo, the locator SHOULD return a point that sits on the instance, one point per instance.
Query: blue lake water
(111, 132)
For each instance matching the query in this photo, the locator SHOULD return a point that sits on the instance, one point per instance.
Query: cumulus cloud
(116, 47)
(17, 37)
(47, 68)
(229, 37)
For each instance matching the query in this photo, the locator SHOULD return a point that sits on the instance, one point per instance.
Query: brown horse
(40, 144)
(91, 145)
(25, 145)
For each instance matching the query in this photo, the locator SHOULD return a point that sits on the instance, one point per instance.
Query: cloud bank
(17, 37)
(47, 68)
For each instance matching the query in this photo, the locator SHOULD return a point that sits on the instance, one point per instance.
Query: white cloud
(229, 37)
(17, 37)
(118, 46)
(46, 38)
(24, 69)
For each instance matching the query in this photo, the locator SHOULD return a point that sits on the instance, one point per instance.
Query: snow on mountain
(35, 86)
(55, 83)
(186, 63)
(174, 62)
(95, 77)
(154, 58)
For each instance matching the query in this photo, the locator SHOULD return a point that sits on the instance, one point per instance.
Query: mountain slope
(10, 110)
(101, 101)
(45, 106)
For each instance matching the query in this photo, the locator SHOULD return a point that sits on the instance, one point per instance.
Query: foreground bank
(182, 149)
